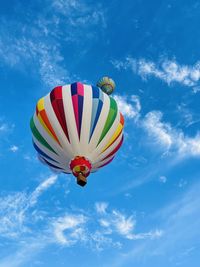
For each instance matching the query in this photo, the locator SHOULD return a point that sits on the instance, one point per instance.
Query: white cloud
(169, 138)
(101, 207)
(41, 188)
(104, 223)
(63, 23)
(99, 233)
(115, 222)
(169, 71)
(159, 131)
(6, 127)
(66, 6)
(124, 226)
(46, 57)
(3, 127)
(130, 109)
(15, 210)
(24, 254)
(83, 15)
(14, 148)
(69, 229)
(12, 215)
(179, 221)
(97, 229)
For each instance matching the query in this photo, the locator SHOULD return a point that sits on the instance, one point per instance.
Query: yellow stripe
(119, 128)
(45, 127)
(40, 104)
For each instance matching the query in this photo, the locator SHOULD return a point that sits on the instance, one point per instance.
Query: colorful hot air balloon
(77, 129)
(106, 84)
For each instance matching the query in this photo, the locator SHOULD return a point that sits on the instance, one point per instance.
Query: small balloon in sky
(78, 129)
(106, 84)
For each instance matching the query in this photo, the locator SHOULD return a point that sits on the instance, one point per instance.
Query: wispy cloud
(24, 254)
(69, 22)
(169, 71)
(101, 207)
(116, 222)
(129, 108)
(15, 210)
(14, 148)
(3, 127)
(83, 14)
(179, 221)
(6, 127)
(69, 229)
(41, 188)
(12, 215)
(107, 230)
(171, 139)
(46, 58)
(19, 214)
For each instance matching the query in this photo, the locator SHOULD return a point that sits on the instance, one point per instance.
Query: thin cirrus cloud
(179, 221)
(19, 213)
(161, 133)
(169, 71)
(171, 139)
(14, 148)
(83, 14)
(66, 230)
(130, 109)
(111, 226)
(6, 127)
(67, 25)
(113, 221)
(15, 208)
(47, 58)
(101, 207)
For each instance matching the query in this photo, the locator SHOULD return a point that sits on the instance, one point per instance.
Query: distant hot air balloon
(77, 129)
(106, 84)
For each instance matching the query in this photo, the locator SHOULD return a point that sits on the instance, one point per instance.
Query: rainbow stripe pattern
(76, 120)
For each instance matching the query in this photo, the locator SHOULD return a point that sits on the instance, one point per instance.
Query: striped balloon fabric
(77, 129)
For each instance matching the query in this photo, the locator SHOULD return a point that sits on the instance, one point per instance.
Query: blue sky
(142, 209)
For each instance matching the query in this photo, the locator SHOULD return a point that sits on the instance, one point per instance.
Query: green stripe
(110, 119)
(38, 136)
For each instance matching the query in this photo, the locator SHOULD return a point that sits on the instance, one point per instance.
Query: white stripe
(108, 150)
(99, 164)
(106, 138)
(86, 120)
(52, 143)
(67, 149)
(49, 153)
(71, 121)
(100, 124)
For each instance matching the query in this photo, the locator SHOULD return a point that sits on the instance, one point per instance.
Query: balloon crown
(106, 84)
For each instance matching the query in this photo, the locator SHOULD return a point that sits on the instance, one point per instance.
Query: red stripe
(106, 162)
(58, 107)
(122, 119)
(75, 105)
(115, 150)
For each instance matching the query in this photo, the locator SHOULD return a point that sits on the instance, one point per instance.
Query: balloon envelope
(77, 128)
(106, 84)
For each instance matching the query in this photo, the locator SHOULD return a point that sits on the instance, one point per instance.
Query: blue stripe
(50, 164)
(95, 92)
(96, 110)
(74, 89)
(42, 153)
(80, 111)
